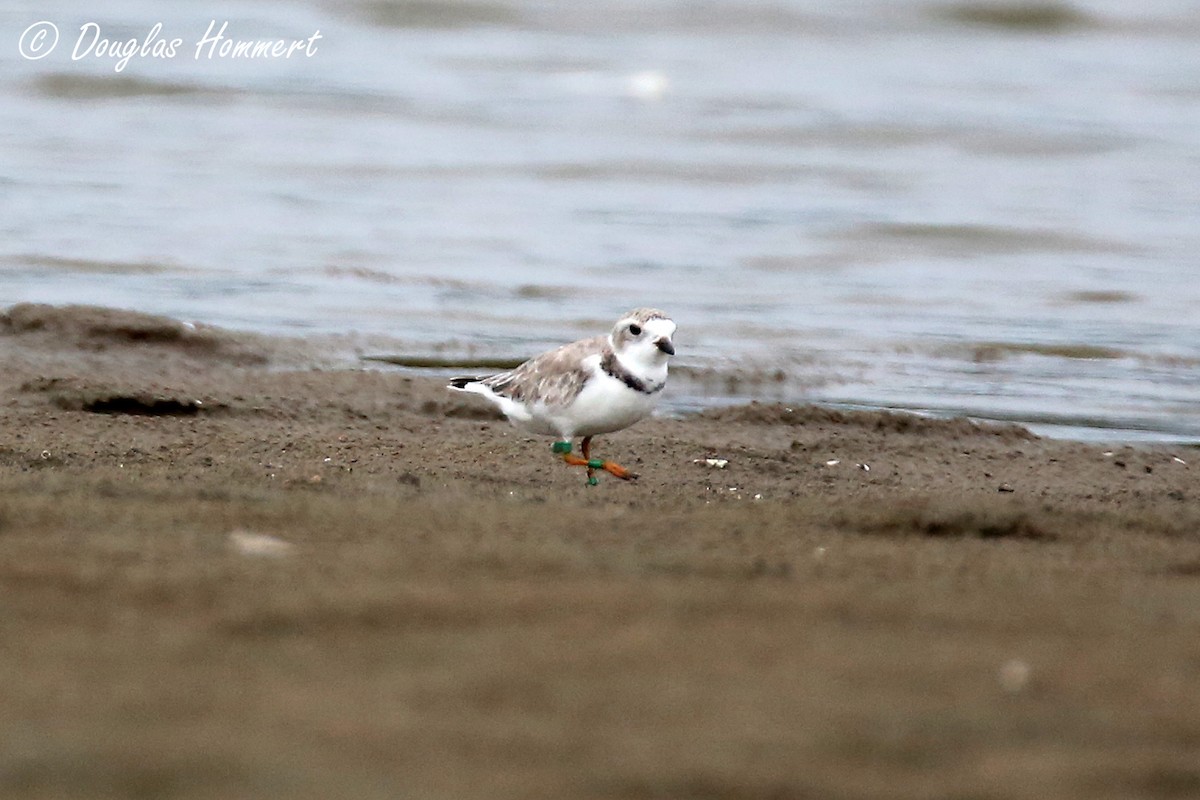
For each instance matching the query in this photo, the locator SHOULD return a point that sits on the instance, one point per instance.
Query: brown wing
(553, 378)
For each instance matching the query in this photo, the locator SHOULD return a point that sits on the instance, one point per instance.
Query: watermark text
(41, 38)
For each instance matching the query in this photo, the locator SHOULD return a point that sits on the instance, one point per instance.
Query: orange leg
(590, 463)
(608, 466)
(586, 447)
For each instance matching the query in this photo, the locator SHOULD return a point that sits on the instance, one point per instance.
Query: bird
(587, 388)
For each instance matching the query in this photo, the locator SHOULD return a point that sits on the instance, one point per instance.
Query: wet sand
(226, 574)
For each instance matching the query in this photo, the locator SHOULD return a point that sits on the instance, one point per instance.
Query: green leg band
(596, 463)
(592, 480)
(560, 447)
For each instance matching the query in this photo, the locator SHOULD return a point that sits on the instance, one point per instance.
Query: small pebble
(249, 543)
(718, 463)
(1013, 675)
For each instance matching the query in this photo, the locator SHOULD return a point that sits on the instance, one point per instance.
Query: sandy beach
(229, 574)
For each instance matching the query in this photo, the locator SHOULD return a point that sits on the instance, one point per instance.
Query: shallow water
(944, 207)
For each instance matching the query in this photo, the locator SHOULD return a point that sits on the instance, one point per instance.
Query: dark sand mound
(95, 328)
(882, 421)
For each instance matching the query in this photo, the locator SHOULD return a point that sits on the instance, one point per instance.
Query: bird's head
(643, 337)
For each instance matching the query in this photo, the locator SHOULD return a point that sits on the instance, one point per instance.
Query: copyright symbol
(38, 40)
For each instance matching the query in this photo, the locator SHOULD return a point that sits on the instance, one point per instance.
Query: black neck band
(615, 369)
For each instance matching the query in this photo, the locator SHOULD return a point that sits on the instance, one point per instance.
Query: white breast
(605, 405)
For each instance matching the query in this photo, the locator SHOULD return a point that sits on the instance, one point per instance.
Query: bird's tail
(461, 383)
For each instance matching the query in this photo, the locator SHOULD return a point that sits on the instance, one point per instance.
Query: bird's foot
(592, 464)
(613, 469)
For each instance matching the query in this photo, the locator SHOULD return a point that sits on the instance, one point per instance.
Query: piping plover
(586, 388)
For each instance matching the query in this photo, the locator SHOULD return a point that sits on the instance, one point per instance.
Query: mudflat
(226, 574)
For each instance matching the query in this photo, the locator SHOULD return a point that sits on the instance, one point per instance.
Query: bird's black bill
(666, 346)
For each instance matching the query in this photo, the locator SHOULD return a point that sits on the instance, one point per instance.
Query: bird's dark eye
(636, 330)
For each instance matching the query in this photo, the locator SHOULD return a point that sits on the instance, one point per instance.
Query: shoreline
(232, 575)
(694, 387)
